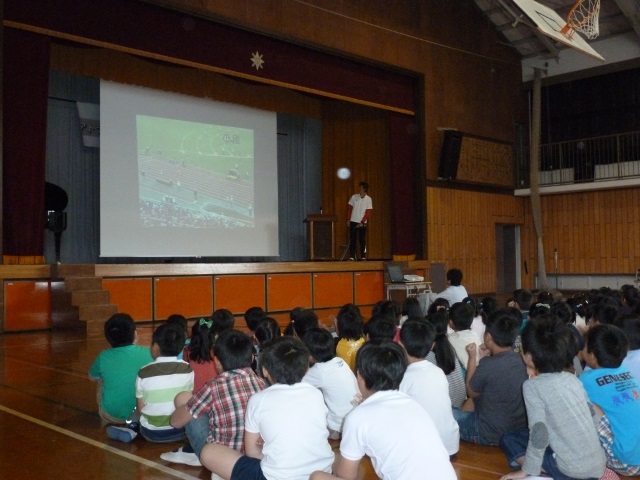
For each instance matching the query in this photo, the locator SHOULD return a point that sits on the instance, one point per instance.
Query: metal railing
(612, 157)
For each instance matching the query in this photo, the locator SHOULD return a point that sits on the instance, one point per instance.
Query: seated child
(562, 439)
(285, 424)
(444, 356)
(115, 369)
(253, 316)
(496, 404)
(350, 330)
(302, 319)
(411, 308)
(563, 312)
(455, 292)
(460, 319)
(610, 386)
(388, 426)
(477, 325)
(215, 413)
(156, 387)
(380, 329)
(265, 332)
(630, 325)
(522, 299)
(222, 320)
(332, 376)
(199, 353)
(181, 322)
(426, 383)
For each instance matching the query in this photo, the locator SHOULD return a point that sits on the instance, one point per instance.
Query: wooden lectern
(321, 236)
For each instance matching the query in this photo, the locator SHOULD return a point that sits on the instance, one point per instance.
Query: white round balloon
(343, 173)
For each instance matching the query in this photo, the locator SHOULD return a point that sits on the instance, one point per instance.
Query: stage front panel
(238, 293)
(27, 305)
(188, 296)
(287, 291)
(369, 287)
(332, 289)
(132, 296)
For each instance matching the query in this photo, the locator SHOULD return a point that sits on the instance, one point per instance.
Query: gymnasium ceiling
(618, 41)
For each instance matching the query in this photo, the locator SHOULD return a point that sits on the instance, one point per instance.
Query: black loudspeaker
(450, 154)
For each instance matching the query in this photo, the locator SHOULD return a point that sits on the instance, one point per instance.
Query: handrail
(608, 157)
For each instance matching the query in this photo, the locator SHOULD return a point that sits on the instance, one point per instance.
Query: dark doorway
(507, 258)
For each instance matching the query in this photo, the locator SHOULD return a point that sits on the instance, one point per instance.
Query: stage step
(73, 284)
(88, 296)
(74, 270)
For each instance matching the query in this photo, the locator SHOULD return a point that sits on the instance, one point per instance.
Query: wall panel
(598, 232)
(461, 232)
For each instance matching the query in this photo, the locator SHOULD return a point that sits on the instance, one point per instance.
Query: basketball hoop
(583, 17)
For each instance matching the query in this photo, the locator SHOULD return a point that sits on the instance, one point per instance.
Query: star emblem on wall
(256, 60)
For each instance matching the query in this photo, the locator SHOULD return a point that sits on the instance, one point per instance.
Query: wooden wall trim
(173, 269)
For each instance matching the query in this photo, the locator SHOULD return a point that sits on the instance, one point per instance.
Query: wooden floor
(50, 429)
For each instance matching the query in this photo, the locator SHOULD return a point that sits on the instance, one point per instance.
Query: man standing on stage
(358, 213)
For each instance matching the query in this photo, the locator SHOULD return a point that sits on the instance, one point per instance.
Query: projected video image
(194, 175)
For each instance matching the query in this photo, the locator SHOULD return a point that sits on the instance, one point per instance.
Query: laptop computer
(396, 275)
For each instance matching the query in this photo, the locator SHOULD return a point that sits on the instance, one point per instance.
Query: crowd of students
(553, 383)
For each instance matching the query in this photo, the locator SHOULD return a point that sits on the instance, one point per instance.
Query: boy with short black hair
(223, 320)
(388, 426)
(332, 376)
(380, 328)
(455, 292)
(561, 438)
(115, 369)
(156, 386)
(522, 299)
(611, 386)
(495, 403)
(253, 316)
(285, 424)
(460, 320)
(215, 414)
(426, 383)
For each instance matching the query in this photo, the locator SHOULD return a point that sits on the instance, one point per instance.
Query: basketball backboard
(550, 24)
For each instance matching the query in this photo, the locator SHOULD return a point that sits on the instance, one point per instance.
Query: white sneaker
(179, 456)
(215, 477)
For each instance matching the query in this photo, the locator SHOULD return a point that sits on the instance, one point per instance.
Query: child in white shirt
(460, 320)
(426, 383)
(332, 376)
(388, 426)
(285, 424)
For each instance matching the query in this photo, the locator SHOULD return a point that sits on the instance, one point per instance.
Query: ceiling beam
(631, 10)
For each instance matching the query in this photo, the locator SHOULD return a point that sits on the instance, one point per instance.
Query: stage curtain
(128, 69)
(73, 167)
(299, 182)
(25, 90)
(406, 180)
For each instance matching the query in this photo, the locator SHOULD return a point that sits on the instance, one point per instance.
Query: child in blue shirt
(611, 386)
